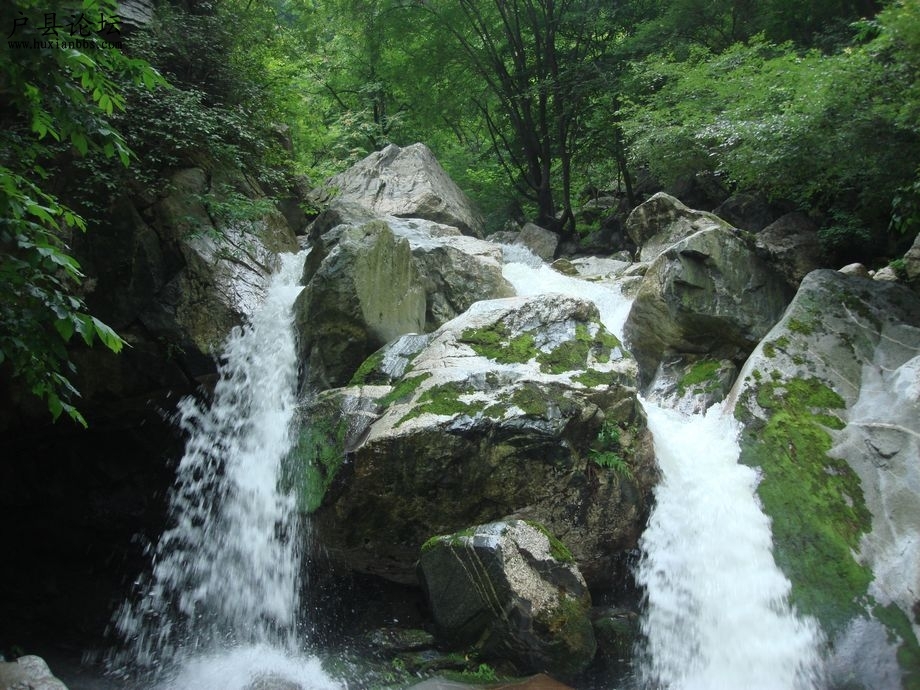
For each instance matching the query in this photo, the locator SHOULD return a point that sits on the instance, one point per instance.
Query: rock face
(456, 269)
(831, 405)
(663, 220)
(749, 212)
(406, 182)
(371, 283)
(707, 294)
(792, 247)
(28, 673)
(366, 292)
(498, 412)
(511, 591)
(540, 241)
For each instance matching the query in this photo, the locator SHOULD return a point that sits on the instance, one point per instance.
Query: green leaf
(108, 336)
(64, 328)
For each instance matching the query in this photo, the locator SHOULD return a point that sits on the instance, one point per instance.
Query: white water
(221, 607)
(716, 616)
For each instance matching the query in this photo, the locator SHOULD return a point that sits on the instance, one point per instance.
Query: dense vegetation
(532, 106)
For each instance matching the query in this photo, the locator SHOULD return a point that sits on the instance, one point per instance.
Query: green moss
(797, 326)
(702, 376)
(557, 549)
(769, 350)
(315, 460)
(455, 539)
(367, 372)
(901, 633)
(815, 501)
(567, 356)
(402, 390)
(443, 399)
(592, 378)
(572, 355)
(495, 343)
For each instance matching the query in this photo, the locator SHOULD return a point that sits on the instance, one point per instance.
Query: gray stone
(495, 413)
(28, 673)
(857, 270)
(540, 241)
(511, 591)
(750, 212)
(708, 294)
(456, 270)
(792, 246)
(407, 182)
(661, 221)
(831, 402)
(366, 292)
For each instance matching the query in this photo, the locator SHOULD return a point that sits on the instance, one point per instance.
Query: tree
(59, 92)
(536, 61)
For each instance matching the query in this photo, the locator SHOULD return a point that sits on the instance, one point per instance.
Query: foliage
(608, 450)
(57, 93)
(763, 115)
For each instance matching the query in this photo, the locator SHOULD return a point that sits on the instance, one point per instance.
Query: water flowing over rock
(495, 413)
(831, 405)
(661, 221)
(708, 294)
(407, 182)
(510, 590)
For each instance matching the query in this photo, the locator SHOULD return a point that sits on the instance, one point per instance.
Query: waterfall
(716, 615)
(221, 606)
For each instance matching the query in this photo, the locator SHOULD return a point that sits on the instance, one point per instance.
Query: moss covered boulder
(831, 405)
(510, 590)
(523, 406)
(706, 295)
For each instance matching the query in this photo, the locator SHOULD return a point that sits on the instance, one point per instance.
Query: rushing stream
(221, 607)
(716, 616)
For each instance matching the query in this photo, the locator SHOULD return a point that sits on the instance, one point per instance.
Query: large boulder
(661, 221)
(792, 246)
(366, 292)
(750, 212)
(456, 269)
(407, 182)
(511, 591)
(28, 673)
(831, 405)
(523, 406)
(708, 294)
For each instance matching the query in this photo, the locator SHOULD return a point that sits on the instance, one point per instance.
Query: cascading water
(220, 608)
(716, 616)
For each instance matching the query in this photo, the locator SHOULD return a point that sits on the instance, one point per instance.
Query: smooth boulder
(706, 295)
(407, 182)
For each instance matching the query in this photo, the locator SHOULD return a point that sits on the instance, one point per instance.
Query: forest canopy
(533, 106)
